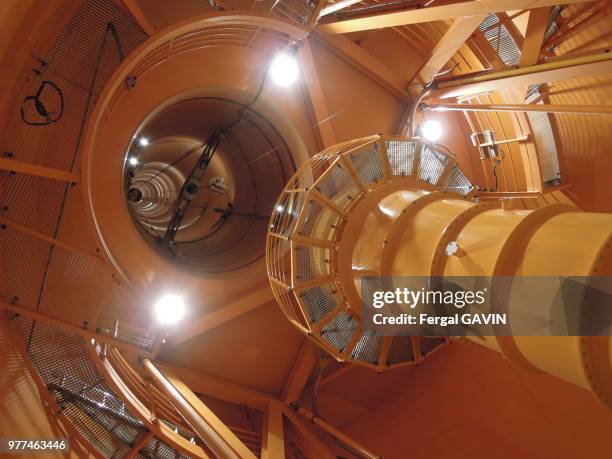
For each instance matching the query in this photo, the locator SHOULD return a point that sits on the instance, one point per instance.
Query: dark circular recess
(225, 221)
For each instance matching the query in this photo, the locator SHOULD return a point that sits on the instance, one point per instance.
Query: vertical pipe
(207, 434)
(340, 436)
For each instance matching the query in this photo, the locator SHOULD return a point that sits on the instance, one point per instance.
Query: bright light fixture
(133, 161)
(279, 208)
(284, 70)
(431, 130)
(143, 141)
(169, 309)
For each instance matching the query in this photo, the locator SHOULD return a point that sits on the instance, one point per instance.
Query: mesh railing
(306, 231)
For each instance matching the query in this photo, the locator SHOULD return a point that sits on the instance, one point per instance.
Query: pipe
(326, 426)
(546, 108)
(551, 65)
(203, 429)
(330, 9)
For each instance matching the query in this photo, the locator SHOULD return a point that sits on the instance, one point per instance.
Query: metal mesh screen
(65, 366)
(285, 214)
(339, 331)
(458, 182)
(544, 139)
(431, 165)
(501, 40)
(400, 350)
(318, 221)
(338, 186)
(401, 156)
(311, 262)
(40, 275)
(319, 199)
(158, 449)
(298, 11)
(367, 348)
(368, 165)
(319, 301)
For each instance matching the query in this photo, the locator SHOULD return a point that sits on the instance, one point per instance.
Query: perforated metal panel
(158, 449)
(327, 187)
(401, 156)
(400, 351)
(368, 165)
(62, 283)
(65, 366)
(320, 301)
(319, 221)
(299, 11)
(431, 165)
(458, 182)
(338, 186)
(367, 348)
(339, 331)
(311, 262)
(544, 139)
(501, 41)
(284, 216)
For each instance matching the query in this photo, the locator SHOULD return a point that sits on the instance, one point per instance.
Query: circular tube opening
(206, 212)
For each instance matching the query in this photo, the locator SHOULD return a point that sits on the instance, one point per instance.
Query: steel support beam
(454, 37)
(365, 63)
(316, 98)
(273, 435)
(231, 443)
(546, 108)
(534, 36)
(43, 237)
(216, 435)
(233, 309)
(435, 13)
(34, 314)
(139, 16)
(39, 171)
(140, 442)
(563, 69)
(218, 388)
(304, 364)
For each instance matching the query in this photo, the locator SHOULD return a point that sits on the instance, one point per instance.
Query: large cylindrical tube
(554, 240)
(392, 207)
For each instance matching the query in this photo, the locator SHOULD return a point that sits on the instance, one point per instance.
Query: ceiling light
(169, 309)
(279, 208)
(284, 70)
(143, 141)
(431, 130)
(133, 161)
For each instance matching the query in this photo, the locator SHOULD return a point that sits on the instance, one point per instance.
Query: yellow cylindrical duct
(395, 207)
(554, 240)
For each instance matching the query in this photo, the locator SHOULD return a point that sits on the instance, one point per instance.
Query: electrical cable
(109, 27)
(40, 107)
(497, 162)
(210, 147)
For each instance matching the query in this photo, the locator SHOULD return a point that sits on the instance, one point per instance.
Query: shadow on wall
(468, 402)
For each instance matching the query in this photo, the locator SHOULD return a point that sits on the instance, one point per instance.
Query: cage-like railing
(306, 229)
